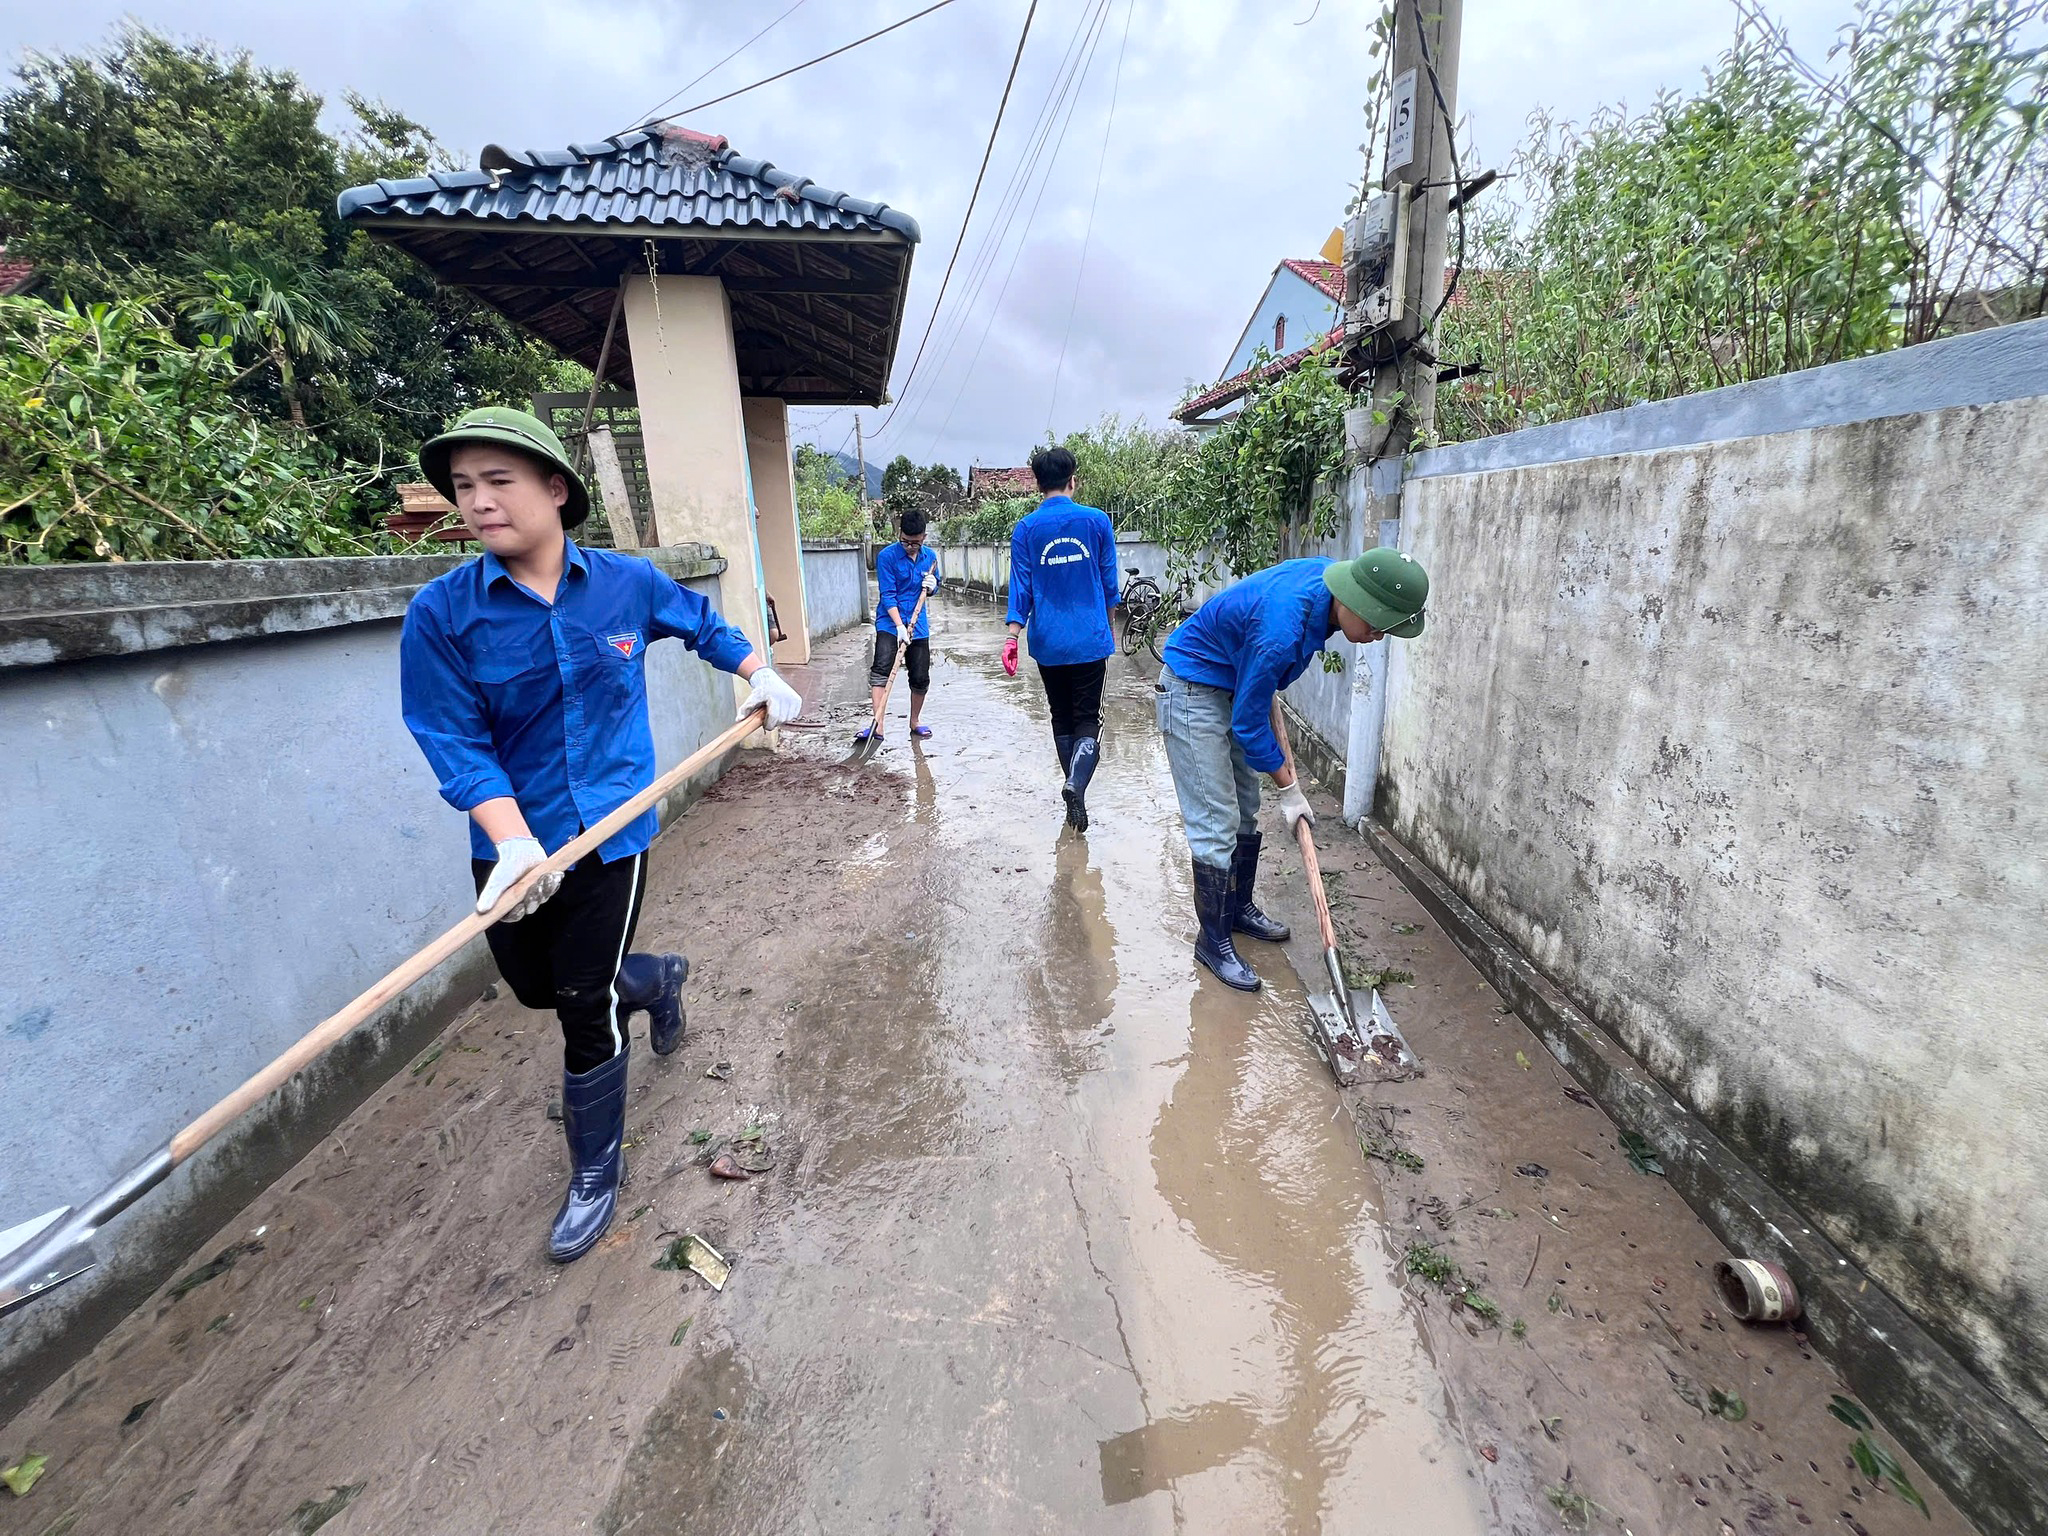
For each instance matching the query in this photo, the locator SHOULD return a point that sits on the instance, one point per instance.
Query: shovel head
(1336, 1038)
(40, 1255)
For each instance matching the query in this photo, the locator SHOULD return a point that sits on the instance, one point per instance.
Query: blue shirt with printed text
(1063, 581)
(898, 582)
(547, 702)
(1254, 639)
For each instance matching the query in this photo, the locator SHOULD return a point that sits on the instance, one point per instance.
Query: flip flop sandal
(920, 731)
(868, 733)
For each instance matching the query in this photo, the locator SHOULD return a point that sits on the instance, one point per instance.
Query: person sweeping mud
(1062, 587)
(905, 573)
(1215, 705)
(522, 677)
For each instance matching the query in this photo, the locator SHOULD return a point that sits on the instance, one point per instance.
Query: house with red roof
(1300, 309)
(15, 276)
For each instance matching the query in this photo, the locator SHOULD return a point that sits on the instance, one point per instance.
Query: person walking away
(1215, 702)
(903, 571)
(1062, 588)
(522, 677)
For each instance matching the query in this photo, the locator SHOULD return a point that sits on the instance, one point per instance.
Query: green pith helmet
(506, 428)
(1384, 587)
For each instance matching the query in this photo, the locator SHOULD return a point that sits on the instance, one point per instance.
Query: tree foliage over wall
(202, 188)
(828, 502)
(1779, 219)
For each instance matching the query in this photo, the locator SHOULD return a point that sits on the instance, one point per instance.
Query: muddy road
(1060, 1233)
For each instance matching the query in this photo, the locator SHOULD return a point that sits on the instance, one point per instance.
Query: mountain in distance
(851, 465)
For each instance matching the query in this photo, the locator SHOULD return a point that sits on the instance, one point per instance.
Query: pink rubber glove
(1010, 656)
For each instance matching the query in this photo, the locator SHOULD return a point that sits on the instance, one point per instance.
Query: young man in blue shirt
(1215, 704)
(522, 678)
(1062, 587)
(904, 571)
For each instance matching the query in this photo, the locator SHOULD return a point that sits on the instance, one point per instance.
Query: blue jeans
(1218, 791)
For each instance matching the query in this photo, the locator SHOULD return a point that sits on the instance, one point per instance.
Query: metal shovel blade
(40, 1255)
(1336, 1038)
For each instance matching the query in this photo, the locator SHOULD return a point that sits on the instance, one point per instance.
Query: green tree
(137, 171)
(828, 503)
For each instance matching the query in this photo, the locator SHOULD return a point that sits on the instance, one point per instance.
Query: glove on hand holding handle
(516, 855)
(1010, 656)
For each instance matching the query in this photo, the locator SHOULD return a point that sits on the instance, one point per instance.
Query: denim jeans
(1218, 791)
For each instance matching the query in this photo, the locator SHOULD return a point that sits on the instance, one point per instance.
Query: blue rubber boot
(653, 984)
(594, 1119)
(1244, 873)
(1075, 793)
(1213, 948)
(1064, 745)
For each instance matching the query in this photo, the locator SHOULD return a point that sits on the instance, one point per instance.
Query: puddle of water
(1084, 1247)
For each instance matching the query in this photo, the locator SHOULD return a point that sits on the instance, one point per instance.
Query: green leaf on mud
(1729, 1405)
(213, 1268)
(134, 1415)
(681, 1328)
(22, 1476)
(1850, 1412)
(314, 1513)
(1641, 1155)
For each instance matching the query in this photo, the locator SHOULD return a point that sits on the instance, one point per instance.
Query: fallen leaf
(1491, 1453)
(22, 1476)
(1521, 1061)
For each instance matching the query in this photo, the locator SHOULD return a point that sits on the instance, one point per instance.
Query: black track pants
(917, 661)
(566, 955)
(1074, 694)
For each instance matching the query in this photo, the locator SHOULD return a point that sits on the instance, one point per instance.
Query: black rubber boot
(1075, 793)
(594, 1119)
(1213, 948)
(1064, 745)
(653, 984)
(1244, 873)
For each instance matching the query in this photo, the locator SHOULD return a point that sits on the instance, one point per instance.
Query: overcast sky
(1234, 144)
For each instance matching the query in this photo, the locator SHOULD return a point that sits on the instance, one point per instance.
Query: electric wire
(1030, 223)
(1088, 233)
(966, 218)
(1457, 175)
(981, 266)
(648, 115)
(988, 251)
(807, 63)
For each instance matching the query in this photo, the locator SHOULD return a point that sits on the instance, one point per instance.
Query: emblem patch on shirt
(626, 644)
(1057, 552)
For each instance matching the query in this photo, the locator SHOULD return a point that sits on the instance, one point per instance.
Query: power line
(994, 128)
(648, 115)
(821, 58)
(1088, 233)
(1079, 75)
(1073, 64)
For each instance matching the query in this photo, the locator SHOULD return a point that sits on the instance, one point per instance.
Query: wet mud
(1060, 1234)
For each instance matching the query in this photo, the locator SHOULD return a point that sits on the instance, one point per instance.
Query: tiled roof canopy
(816, 278)
(1326, 275)
(1000, 482)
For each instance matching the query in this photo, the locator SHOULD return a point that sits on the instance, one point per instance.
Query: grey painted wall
(836, 586)
(213, 847)
(1743, 743)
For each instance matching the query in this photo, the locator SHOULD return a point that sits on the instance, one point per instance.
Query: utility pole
(1421, 123)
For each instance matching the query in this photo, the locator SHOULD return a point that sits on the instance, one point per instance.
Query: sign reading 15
(1401, 122)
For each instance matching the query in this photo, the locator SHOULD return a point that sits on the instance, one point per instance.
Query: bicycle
(1153, 617)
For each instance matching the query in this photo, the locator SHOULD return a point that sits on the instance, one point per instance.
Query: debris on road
(723, 1167)
(1757, 1291)
(691, 1252)
(22, 1476)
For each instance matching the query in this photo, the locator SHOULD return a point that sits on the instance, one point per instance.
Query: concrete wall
(772, 475)
(214, 846)
(1740, 739)
(838, 586)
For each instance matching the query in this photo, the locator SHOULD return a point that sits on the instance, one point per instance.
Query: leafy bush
(117, 442)
(827, 501)
(1779, 219)
(989, 522)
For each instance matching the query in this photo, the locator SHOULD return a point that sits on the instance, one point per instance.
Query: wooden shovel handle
(1306, 838)
(900, 649)
(323, 1035)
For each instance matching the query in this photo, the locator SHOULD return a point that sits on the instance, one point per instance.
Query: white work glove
(784, 702)
(902, 633)
(1294, 806)
(516, 855)
(931, 582)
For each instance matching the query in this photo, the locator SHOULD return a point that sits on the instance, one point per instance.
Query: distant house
(1303, 301)
(15, 276)
(983, 484)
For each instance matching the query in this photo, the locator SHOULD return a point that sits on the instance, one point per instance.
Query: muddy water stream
(1082, 1241)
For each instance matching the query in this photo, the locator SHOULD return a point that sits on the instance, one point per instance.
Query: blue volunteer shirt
(1063, 581)
(547, 703)
(899, 580)
(1254, 639)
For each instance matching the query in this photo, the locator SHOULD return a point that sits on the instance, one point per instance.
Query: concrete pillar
(686, 375)
(775, 524)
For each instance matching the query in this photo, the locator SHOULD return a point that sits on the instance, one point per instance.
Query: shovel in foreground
(1351, 1035)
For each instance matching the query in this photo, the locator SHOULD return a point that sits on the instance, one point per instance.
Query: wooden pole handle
(883, 708)
(323, 1035)
(1306, 838)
